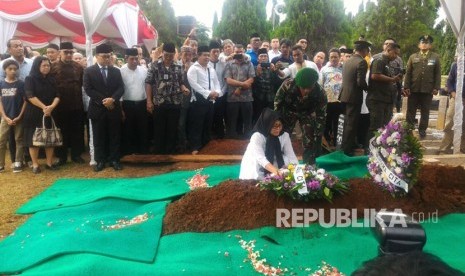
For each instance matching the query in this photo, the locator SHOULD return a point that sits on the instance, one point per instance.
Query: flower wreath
(395, 158)
(304, 182)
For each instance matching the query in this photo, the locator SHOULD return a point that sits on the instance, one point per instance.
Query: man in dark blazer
(104, 85)
(353, 83)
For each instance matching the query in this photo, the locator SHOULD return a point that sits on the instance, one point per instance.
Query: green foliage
(240, 18)
(202, 34)
(403, 20)
(162, 16)
(447, 45)
(322, 22)
(215, 22)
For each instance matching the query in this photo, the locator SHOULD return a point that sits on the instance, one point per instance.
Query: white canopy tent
(86, 23)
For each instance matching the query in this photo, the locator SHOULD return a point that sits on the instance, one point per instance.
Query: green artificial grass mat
(106, 227)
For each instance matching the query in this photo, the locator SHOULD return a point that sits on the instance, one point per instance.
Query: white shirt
(197, 75)
(254, 159)
(292, 69)
(272, 54)
(134, 83)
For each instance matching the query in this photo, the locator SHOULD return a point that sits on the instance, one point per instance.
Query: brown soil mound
(241, 205)
(237, 147)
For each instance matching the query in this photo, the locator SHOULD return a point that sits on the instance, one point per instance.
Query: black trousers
(422, 100)
(165, 128)
(135, 137)
(107, 136)
(71, 124)
(199, 121)
(333, 110)
(233, 111)
(219, 116)
(351, 120)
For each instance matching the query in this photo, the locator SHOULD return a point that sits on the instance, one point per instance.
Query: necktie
(104, 73)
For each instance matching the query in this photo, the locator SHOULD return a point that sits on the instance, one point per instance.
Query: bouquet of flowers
(304, 182)
(395, 158)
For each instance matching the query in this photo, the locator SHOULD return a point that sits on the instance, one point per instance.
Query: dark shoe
(100, 166)
(60, 162)
(116, 166)
(36, 170)
(422, 134)
(52, 167)
(78, 160)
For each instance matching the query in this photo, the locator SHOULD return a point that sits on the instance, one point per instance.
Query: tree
(215, 22)
(403, 20)
(162, 14)
(322, 22)
(240, 18)
(447, 44)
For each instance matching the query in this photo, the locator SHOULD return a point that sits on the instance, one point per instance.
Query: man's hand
(9, 121)
(213, 95)
(259, 69)
(149, 106)
(237, 92)
(452, 94)
(398, 78)
(109, 103)
(406, 92)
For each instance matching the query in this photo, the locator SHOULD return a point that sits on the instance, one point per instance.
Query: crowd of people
(177, 100)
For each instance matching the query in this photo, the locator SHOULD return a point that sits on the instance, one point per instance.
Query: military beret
(426, 38)
(262, 51)
(306, 77)
(203, 49)
(53, 46)
(66, 46)
(169, 47)
(131, 52)
(103, 49)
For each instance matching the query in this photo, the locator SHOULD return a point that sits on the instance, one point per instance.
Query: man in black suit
(104, 85)
(353, 83)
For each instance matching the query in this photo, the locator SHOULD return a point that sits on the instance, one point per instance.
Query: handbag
(47, 137)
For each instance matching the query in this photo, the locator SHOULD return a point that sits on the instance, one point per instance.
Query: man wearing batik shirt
(135, 137)
(331, 82)
(239, 76)
(164, 88)
(263, 93)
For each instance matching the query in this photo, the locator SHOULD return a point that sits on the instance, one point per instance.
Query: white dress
(254, 159)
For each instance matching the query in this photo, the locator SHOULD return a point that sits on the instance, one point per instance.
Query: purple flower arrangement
(313, 183)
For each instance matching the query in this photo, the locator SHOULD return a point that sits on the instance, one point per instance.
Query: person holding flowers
(269, 149)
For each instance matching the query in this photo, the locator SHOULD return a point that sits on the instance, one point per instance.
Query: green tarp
(106, 227)
(295, 249)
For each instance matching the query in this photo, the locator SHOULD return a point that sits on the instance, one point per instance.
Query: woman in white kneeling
(269, 149)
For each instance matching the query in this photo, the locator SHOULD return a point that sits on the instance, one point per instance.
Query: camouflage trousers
(312, 132)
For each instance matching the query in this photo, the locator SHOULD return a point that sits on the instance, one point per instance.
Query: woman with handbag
(42, 98)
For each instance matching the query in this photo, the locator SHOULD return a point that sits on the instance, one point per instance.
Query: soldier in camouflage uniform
(302, 99)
